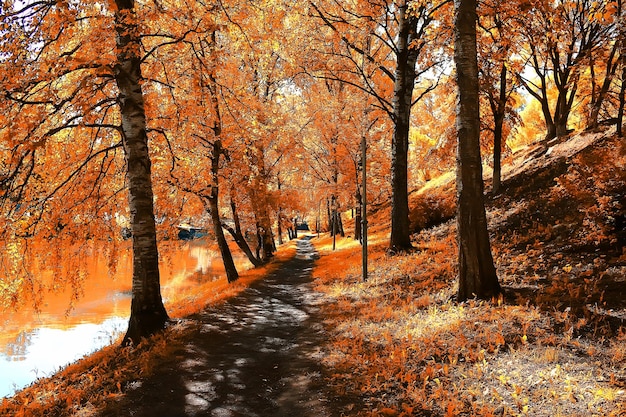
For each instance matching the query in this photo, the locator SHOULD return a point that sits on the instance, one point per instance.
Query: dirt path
(255, 355)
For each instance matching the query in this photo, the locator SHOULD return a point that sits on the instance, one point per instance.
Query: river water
(35, 344)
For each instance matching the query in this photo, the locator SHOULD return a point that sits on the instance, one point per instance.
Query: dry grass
(402, 346)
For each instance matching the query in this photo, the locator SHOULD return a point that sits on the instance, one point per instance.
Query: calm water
(35, 345)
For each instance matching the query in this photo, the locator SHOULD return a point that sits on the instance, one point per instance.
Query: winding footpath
(256, 354)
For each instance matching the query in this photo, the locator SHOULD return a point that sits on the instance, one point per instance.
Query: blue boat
(189, 232)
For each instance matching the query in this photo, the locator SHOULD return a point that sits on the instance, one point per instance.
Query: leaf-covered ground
(554, 345)
(400, 344)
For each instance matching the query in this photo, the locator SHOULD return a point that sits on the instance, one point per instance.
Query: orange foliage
(400, 342)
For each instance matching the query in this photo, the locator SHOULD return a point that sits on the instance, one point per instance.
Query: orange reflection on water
(100, 295)
(105, 296)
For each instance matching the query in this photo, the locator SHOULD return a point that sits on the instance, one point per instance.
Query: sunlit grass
(402, 344)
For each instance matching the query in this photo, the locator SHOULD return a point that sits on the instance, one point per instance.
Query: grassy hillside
(554, 345)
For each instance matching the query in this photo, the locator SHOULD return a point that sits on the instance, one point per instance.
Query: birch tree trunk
(147, 314)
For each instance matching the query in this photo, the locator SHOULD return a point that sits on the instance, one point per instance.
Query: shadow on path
(257, 354)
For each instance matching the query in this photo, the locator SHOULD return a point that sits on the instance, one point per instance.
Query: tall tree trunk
(329, 216)
(622, 58)
(498, 108)
(497, 156)
(564, 104)
(260, 250)
(541, 95)
(147, 313)
(216, 221)
(279, 225)
(550, 129)
(357, 217)
(279, 214)
(332, 215)
(622, 100)
(217, 150)
(477, 274)
(402, 99)
(239, 237)
(258, 192)
(267, 237)
(598, 99)
(340, 224)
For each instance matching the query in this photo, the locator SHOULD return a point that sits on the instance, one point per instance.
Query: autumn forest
(449, 177)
